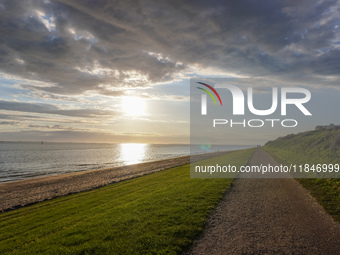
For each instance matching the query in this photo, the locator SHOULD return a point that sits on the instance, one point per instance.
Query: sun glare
(132, 153)
(133, 106)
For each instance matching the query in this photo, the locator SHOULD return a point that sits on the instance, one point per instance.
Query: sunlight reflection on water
(22, 160)
(132, 153)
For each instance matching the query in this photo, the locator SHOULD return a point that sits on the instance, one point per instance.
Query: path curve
(268, 216)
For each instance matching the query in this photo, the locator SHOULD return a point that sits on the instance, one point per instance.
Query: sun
(133, 106)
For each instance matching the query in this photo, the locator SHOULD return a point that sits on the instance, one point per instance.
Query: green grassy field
(313, 147)
(160, 213)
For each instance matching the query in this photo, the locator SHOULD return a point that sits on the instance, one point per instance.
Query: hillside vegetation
(317, 146)
(313, 147)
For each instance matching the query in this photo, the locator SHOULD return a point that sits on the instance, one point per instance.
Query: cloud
(76, 58)
(162, 97)
(10, 123)
(52, 109)
(54, 127)
(89, 136)
(80, 46)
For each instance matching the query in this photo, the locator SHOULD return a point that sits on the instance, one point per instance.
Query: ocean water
(23, 160)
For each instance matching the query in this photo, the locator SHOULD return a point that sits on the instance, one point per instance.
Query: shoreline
(22, 193)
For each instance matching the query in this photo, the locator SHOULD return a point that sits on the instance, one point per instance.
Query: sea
(24, 160)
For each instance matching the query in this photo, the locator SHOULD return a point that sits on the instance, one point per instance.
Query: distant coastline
(25, 160)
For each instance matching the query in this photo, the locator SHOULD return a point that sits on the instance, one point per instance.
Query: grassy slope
(313, 147)
(158, 213)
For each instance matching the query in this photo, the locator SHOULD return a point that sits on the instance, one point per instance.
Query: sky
(119, 71)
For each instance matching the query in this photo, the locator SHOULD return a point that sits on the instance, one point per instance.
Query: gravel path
(21, 193)
(268, 216)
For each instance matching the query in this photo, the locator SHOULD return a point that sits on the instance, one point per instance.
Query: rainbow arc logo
(204, 97)
(209, 93)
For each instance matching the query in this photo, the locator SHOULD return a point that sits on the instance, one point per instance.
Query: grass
(160, 213)
(313, 147)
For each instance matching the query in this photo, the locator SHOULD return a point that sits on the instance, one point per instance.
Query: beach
(22, 193)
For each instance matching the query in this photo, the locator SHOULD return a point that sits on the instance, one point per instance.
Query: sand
(22, 193)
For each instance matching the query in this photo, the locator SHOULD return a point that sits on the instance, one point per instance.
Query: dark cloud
(95, 45)
(10, 123)
(15, 117)
(52, 109)
(54, 127)
(88, 136)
